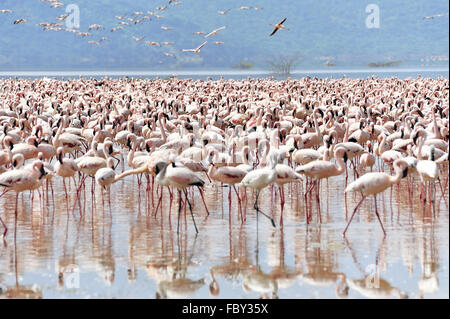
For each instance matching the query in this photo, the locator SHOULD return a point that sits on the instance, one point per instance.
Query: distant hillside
(320, 30)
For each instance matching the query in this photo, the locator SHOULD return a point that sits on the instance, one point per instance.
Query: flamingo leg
(4, 192)
(353, 214)
(261, 212)
(190, 209)
(378, 215)
(203, 200)
(159, 202)
(4, 226)
(239, 203)
(179, 211)
(281, 190)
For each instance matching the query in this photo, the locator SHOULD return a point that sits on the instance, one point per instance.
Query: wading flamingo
(261, 178)
(374, 183)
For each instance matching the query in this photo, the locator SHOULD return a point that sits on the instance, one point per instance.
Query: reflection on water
(124, 250)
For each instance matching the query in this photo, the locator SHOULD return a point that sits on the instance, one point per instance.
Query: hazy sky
(351, 32)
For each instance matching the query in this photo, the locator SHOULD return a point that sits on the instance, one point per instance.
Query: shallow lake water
(119, 249)
(215, 74)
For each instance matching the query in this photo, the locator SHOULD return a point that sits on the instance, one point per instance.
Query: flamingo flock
(251, 135)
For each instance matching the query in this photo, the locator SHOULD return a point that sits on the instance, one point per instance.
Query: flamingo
(259, 179)
(374, 183)
(19, 180)
(180, 178)
(320, 169)
(197, 49)
(278, 26)
(229, 175)
(65, 167)
(427, 169)
(214, 31)
(285, 174)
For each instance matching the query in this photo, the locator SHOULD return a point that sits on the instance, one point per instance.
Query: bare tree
(284, 64)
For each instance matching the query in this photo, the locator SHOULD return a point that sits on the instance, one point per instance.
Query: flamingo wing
(273, 32)
(201, 45)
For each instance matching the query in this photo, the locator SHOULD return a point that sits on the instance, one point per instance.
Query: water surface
(121, 250)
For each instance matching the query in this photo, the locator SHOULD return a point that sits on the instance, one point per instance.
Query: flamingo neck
(436, 130)
(316, 126)
(397, 177)
(347, 128)
(419, 152)
(382, 145)
(340, 164)
(245, 156)
(162, 127)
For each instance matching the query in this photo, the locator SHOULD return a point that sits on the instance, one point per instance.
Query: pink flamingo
(180, 178)
(374, 183)
(320, 169)
(19, 180)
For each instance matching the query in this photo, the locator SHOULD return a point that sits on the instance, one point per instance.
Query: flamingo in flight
(214, 31)
(196, 50)
(278, 26)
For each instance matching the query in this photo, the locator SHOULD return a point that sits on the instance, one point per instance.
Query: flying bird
(166, 28)
(214, 31)
(436, 16)
(279, 25)
(224, 12)
(57, 4)
(218, 42)
(138, 39)
(95, 27)
(83, 34)
(62, 17)
(20, 21)
(169, 55)
(196, 50)
(5, 11)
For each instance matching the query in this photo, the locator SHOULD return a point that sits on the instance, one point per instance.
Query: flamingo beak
(345, 157)
(405, 172)
(43, 172)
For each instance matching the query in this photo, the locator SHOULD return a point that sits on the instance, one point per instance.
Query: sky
(321, 33)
